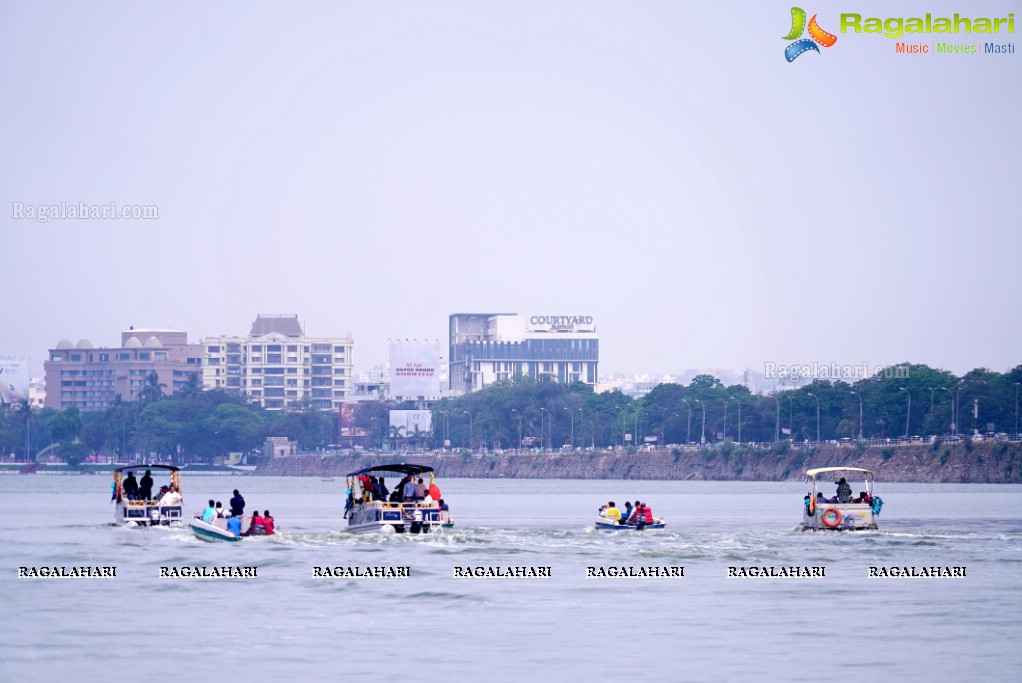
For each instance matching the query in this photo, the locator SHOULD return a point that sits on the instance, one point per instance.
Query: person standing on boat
(409, 490)
(420, 490)
(130, 486)
(844, 491)
(381, 490)
(237, 504)
(145, 487)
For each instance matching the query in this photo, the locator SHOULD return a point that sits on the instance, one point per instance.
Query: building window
(123, 356)
(56, 358)
(144, 355)
(212, 349)
(160, 355)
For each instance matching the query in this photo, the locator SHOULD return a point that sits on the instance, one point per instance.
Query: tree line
(192, 425)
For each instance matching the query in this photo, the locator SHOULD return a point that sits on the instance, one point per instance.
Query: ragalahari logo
(798, 26)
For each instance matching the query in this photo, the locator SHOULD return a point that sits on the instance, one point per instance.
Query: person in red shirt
(257, 527)
(268, 523)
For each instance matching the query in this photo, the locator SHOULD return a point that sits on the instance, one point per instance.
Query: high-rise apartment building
(276, 365)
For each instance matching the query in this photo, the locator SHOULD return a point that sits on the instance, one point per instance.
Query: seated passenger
(647, 513)
(209, 513)
(234, 525)
(256, 528)
(612, 513)
(628, 512)
(171, 498)
(268, 522)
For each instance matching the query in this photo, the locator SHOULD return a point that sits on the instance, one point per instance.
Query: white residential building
(276, 365)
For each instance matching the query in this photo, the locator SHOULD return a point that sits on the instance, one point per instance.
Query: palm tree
(152, 390)
(396, 433)
(26, 419)
(191, 387)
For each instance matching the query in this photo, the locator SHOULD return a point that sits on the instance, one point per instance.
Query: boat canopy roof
(812, 474)
(147, 467)
(403, 468)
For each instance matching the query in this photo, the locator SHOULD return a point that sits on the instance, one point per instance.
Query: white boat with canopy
(138, 502)
(368, 511)
(847, 509)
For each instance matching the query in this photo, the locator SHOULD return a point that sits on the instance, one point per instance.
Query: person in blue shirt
(209, 513)
(234, 525)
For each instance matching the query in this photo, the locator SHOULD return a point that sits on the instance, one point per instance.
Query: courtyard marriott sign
(561, 323)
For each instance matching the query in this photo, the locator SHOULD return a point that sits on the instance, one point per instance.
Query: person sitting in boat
(443, 505)
(256, 527)
(863, 498)
(218, 511)
(209, 513)
(844, 491)
(171, 498)
(130, 487)
(163, 492)
(628, 512)
(267, 522)
(237, 504)
(647, 513)
(611, 513)
(145, 486)
(427, 500)
(234, 524)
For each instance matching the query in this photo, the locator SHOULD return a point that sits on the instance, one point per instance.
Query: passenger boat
(846, 514)
(611, 525)
(132, 510)
(211, 532)
(366, 515)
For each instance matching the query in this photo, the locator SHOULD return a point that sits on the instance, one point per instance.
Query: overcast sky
(375, 167)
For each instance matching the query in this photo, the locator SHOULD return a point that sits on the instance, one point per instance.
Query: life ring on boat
(829, 520)
(812, 506)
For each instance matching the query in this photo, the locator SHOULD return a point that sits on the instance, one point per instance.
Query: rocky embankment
(986, 462)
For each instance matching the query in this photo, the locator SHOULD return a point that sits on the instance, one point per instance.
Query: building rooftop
(286, 325)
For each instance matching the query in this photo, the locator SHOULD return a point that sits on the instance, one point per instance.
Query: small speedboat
(610, 525)
(210, 532)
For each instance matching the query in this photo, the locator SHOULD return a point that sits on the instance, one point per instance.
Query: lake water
(704, 626)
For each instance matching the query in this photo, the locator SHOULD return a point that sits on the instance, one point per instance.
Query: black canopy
(403, 468)
(147, 467)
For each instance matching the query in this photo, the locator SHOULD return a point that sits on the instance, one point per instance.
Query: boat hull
(143, 513)
(378, 517)
(604, 525)
(208, 532)
(840, 517)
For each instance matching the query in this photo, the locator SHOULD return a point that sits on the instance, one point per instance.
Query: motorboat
(211, 532)
(610, 525)
(366, 513)
(844, 511)
(133, 508)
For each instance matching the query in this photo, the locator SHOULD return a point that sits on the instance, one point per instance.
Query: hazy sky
(374, 167)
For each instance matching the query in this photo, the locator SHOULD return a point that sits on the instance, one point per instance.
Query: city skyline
(360, 171)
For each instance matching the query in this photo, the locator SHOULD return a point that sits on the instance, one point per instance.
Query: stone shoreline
(987, 462)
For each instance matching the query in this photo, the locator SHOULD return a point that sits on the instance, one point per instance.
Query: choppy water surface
(285, 624)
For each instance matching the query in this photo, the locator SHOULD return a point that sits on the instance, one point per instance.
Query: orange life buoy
(834, 519)
(812, 506)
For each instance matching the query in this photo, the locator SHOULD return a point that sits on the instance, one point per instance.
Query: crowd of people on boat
(169, 495)
(639, 514)
(233, 519)
(842, 495)
(409, 490)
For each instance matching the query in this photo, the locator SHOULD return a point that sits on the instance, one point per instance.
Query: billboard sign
(414, 369)
(411, 423)
(13, 380)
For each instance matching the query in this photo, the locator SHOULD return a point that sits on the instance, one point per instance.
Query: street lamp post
(860, 412)
(724, 430)
(952, 408)
(572, 414)
(1016, 408)
(635, 429)
(777, 422)
(470, 428)
(542, 434)
(817, 416)
(518, 448)
(702, 434)
(688, 427)
(739, 418)
(958, 407)
(908, 410)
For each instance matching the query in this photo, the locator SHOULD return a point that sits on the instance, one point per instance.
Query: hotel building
(491, 347)
(276, 365)
(91, 378)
